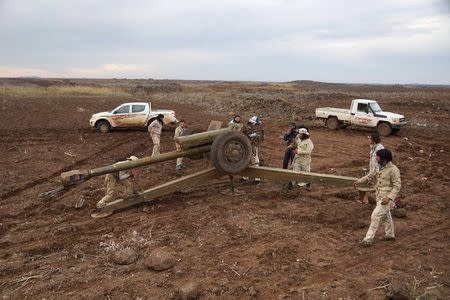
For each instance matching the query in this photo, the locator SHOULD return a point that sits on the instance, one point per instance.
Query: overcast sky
(381, 41)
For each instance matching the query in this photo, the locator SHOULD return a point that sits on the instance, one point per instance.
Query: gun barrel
(198, 139)
(76, 177)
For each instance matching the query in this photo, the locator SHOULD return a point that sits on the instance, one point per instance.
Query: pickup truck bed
(342, 113)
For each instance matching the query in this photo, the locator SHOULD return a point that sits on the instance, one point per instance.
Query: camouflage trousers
(254, 161)
(156, 139)
(381, 213)
(179, 159)
(255, 157)
(112, 185)
(301, 164)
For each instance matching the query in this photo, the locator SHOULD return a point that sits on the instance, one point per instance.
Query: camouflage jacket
(388, 182)
(255, 134)
(155, 127)
(304, 147)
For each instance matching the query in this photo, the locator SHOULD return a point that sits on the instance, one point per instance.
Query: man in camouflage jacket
(388, 184)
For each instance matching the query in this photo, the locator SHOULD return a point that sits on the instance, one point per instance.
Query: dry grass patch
(78, 90)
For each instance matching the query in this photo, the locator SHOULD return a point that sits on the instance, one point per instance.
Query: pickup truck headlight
(395, 120)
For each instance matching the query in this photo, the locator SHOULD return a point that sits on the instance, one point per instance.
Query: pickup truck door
(121, 116)
(138, 115)
(361, 115)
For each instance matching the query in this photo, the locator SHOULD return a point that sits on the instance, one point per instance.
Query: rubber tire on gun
(231, 152)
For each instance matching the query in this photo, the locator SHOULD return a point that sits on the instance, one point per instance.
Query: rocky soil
(198, 243)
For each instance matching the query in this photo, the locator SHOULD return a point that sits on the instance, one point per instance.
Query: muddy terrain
(265, 244)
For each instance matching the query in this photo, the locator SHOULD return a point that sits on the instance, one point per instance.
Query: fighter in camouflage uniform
(115, 180)
(375, 145)
(155, 129)
(303, 149)
(256, 135)
(179, 131)
(388, 184)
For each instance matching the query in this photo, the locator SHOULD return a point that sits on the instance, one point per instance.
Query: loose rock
(397, 291)
(125, 256)
(160, 260)
(189, 291)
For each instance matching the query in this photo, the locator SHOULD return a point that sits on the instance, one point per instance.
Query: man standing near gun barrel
(388, 184)
(155, 129)
(236, 120)
(289, 137)
(303, 149)
(178, 132)
(256, 135)
(375, 145)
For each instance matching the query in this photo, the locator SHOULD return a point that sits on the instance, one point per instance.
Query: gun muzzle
(74, 177)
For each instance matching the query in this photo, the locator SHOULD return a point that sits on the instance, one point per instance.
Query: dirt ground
(263, 244)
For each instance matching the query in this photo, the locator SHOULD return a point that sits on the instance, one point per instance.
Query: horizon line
(222, 80)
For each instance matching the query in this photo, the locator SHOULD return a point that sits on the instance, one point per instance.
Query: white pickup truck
(364, 113)
(127, 115)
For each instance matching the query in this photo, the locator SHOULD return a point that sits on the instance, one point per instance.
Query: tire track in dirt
(32, 184)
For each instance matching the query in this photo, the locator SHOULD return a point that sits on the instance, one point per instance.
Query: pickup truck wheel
(384, 129)
(103, 127)
(332, 123)
(231, 152)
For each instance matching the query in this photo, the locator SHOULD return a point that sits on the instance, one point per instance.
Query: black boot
(308, 186)
(290, 185)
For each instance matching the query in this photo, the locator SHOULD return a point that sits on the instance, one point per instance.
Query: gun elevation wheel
(231, 152)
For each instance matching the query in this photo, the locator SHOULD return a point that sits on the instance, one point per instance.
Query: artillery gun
(230, 153)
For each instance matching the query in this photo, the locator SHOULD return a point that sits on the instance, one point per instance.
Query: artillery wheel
(231, 152)
(189, 131)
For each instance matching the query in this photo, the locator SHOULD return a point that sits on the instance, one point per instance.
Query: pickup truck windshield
(375, 107)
